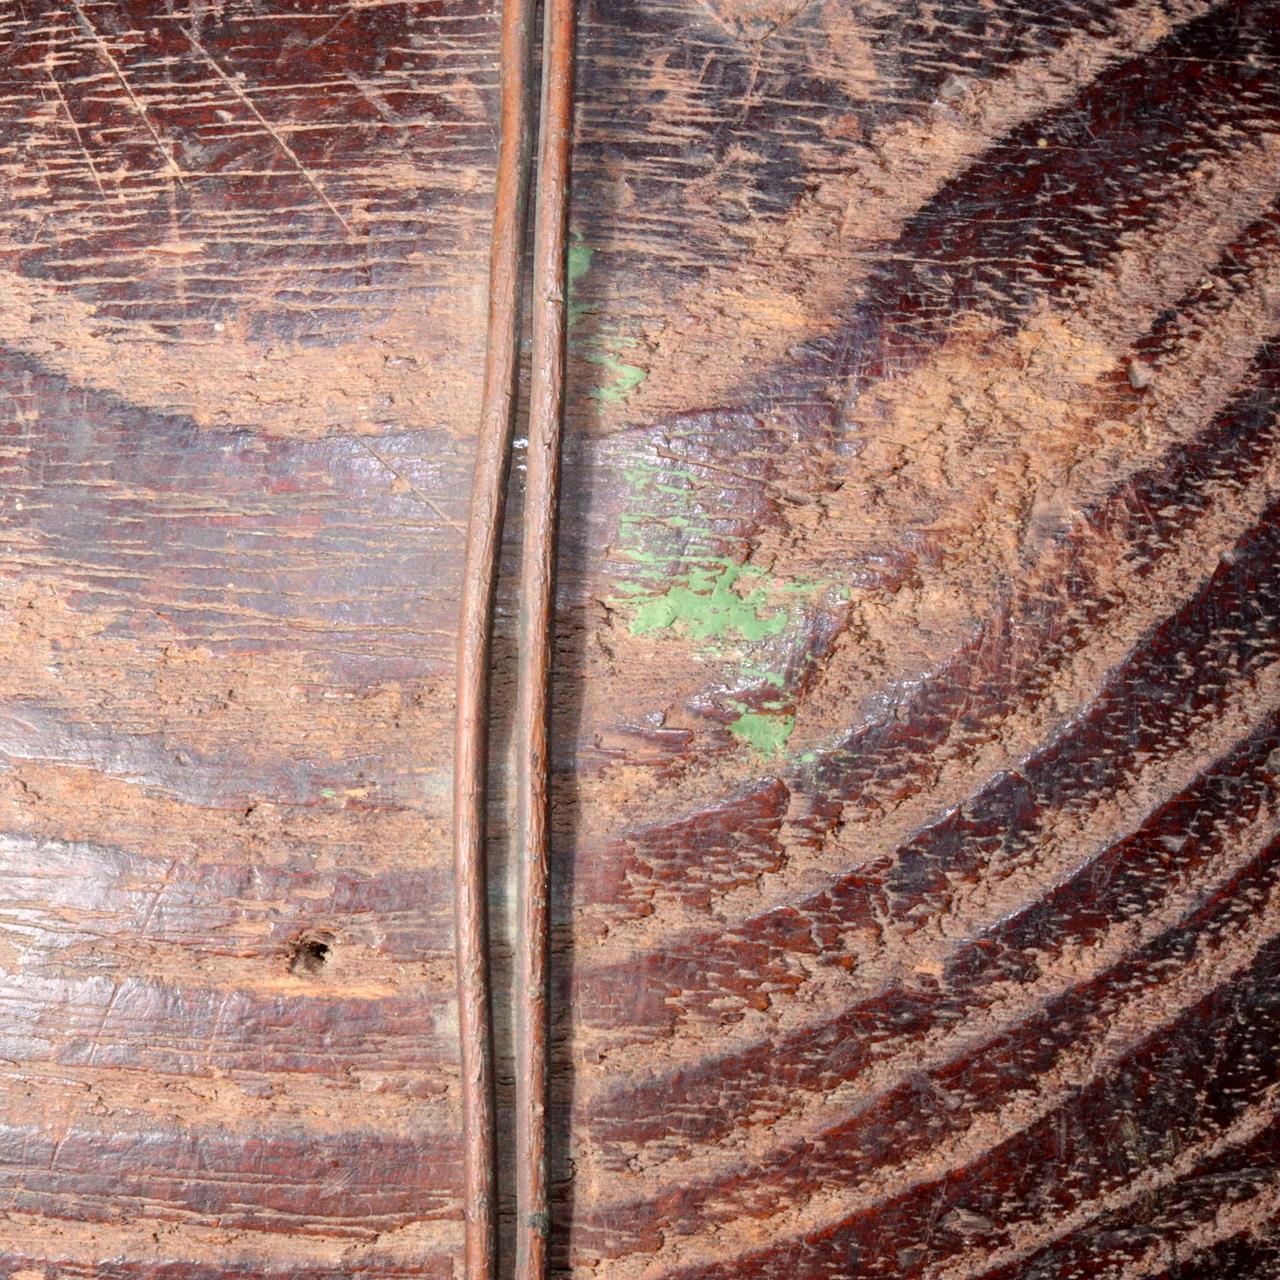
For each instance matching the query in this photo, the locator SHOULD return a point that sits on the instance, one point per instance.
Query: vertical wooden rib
(484, 537)
(537, 634)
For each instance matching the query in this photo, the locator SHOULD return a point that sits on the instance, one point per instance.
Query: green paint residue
(680, 588)
(658, 527)
(683, 588)
(766, 734)
(706, 607)
(577, 264)
(622, 378)
(579, 259)
(625, 377)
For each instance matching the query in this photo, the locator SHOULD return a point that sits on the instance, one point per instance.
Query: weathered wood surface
(916, 706)
(245, 260)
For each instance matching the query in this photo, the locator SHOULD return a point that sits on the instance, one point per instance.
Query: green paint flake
(624, 378)
(708, 608)
(678, 582)
(766, 734)
(772, 678)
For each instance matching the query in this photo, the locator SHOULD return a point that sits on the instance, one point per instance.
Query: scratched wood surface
(917, 703)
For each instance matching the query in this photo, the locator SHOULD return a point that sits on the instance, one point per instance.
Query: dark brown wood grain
(243, 297)
(967, 977)
(916, 708)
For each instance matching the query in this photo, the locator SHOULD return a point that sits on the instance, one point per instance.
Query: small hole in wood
(311, 953)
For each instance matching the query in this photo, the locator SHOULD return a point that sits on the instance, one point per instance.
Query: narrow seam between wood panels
(479, 580)
(537, 638)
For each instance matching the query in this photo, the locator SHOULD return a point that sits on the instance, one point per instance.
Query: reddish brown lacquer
(914, 707)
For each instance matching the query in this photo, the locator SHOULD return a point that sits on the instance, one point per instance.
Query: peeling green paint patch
(708, 608)
(763, 733)
(621, 378)
(625, 378)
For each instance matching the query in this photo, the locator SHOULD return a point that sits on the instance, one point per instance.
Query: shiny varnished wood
(919, 778)
(915, 715)
(243, 309)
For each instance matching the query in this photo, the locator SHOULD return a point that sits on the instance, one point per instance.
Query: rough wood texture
(919, 710)
(245, 265)
(917, 729)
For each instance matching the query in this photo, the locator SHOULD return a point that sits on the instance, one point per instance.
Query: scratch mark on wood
(292, 156)
(75, 128)
(143, 114)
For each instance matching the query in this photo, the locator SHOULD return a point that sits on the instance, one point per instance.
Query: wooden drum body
(915, 729)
